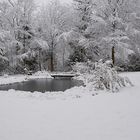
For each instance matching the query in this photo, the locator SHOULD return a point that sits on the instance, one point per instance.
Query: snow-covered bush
(83, 67)
(105, 77)
(101, 76)
(79, 68)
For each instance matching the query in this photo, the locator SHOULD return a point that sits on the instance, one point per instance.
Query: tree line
(55, 36)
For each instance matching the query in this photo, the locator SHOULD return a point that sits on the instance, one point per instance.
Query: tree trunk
(113, 55)
(52, 56)
(52, 67)
(24, 41)
(39, 60)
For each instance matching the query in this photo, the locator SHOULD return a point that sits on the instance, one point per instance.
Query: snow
(20, 78)
(104, 117)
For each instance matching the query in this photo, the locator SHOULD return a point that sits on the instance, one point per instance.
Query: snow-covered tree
(17, 18)
(84, 10)
(85, 48)
(4, 39)
(109, 30)
(57, 35)
(52, 22)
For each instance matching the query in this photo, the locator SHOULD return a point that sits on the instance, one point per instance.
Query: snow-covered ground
(116, 116)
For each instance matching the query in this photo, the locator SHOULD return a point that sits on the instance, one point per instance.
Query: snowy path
(103, 117)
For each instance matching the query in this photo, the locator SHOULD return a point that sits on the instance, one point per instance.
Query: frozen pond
(43, 85)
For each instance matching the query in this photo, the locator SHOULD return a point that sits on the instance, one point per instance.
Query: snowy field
(73, 115)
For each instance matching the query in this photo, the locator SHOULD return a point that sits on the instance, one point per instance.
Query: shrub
(101, 76)
(105, 77)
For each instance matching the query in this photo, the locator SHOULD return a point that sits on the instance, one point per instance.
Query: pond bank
(10, 79)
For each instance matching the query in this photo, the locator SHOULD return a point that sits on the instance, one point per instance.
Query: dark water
(43, 85)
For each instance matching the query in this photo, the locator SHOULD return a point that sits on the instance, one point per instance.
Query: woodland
(57, 36)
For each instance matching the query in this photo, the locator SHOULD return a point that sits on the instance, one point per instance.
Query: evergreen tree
(84, 9)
